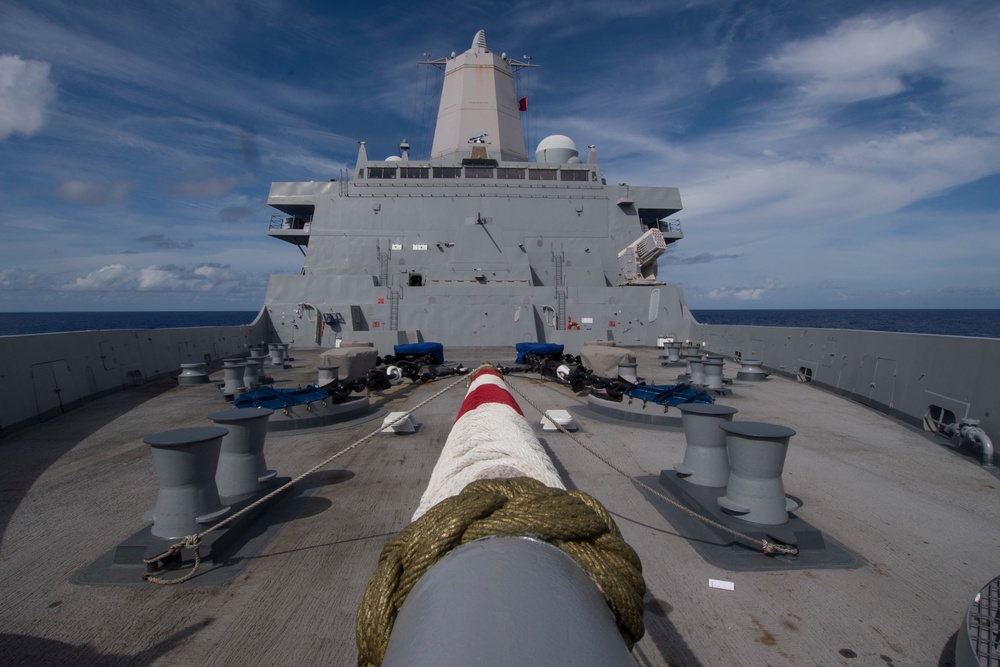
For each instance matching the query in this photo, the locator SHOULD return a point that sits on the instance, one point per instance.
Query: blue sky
(829, 154)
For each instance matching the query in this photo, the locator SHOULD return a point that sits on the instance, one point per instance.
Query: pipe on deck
(505, 601)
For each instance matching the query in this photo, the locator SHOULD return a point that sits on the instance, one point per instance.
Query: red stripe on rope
(487, 393)
(485, 371)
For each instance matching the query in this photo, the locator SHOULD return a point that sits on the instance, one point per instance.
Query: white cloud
(111, 277)
(203, 278)
(860, 59)
(744, 293)
(93, 193)
(26, 91)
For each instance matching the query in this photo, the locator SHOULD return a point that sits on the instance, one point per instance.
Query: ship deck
(923, 520)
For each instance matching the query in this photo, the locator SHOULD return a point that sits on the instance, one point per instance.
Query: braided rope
(194, 541)
(765, 546)
(572, 521)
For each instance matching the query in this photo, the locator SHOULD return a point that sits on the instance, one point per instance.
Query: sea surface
(976, 323)
(13, 324)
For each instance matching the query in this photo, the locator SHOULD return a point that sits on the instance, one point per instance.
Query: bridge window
(479, 172)
(447, 172)
(510, 173)
(542, 174)
(414, 172)
(573, 174)
(381, 172)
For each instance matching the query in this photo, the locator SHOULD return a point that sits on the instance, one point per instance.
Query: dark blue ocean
(977, 323)
(13, 324)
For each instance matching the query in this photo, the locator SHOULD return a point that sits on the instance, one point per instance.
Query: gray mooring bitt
(233, 381)
(192, 373)
(251, 373)
(242, 468)
(185, 460)
(713, 374)
(696, 375)
(673, 352)
(755, 492)
(278, 352)
(505, 601)
(706, 461)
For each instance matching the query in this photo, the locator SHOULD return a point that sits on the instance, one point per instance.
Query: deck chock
(232, 546)
(561, 417)
(407, 425)
(816, 550)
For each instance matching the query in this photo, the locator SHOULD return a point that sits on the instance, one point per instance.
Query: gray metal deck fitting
(233, 377)
(751, 370)
(977, 642)
(706, 461)
(185, 460)
(277, 351)
(242, 469)
(697, 374)
(251, 373)
(326, 374)
(628, 371)
(756, 457)
(192, 374)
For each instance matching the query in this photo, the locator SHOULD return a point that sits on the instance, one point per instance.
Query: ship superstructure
(476, 245)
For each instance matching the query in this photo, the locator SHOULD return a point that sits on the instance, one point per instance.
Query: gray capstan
(673, 352)
(242, 468)
(277, 351)
(757, 452)
(706, 461)
(192, 374)
(751, 370)
(326, 374)
(188, 499)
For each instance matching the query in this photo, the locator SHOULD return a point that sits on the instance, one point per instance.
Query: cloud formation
(93, 193)
(203, 278)
(162, 242)
(26, 92)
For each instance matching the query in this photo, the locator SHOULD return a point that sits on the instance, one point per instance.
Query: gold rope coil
(573, 521)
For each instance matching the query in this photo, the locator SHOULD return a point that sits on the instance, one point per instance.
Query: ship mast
(478, 100)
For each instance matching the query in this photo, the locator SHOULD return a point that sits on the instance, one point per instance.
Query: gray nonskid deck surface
(926, 523)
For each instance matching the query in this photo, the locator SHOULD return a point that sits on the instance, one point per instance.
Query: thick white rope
(492, 441)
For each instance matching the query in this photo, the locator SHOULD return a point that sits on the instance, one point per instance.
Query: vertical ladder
(383, 269)
(393, 310)
(560, 292)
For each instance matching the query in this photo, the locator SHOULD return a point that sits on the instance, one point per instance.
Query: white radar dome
(394, 158)
(556, 148)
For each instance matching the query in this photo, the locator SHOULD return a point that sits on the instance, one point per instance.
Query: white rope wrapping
(491, 441)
